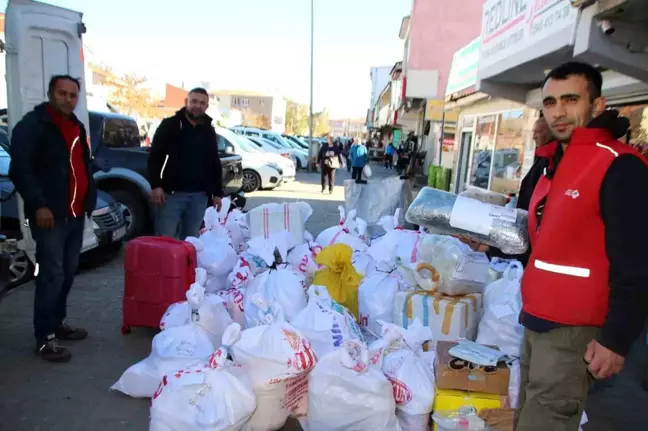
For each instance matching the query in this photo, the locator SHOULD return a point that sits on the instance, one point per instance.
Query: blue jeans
(57, 255)
(181, 215)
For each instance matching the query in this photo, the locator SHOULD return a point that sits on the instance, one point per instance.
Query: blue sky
(250, 44)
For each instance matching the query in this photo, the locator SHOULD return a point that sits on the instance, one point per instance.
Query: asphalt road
(35, 395)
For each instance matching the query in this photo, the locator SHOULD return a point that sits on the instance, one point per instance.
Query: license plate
(119, 233)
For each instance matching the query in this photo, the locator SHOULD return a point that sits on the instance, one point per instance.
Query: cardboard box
(498, 419)
(450, 318)
(454, 373)
(453, 400)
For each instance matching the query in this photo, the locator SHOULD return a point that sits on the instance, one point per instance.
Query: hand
(602, 362)
(158, 196)
(216, 200)
(44, 218)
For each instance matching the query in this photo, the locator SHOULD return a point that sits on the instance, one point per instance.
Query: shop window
(638, 116)
(509, 152)
(483, 151)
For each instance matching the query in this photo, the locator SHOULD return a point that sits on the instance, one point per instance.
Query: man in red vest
(585, 287)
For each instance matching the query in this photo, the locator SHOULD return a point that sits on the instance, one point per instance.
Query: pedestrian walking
(541, 132)
(184, 168)
(359, 158)
(389, 156)
(347, 154)
(585, 288)
(329, 159)
(51, 170)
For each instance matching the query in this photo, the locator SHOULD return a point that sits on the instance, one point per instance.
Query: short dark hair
(199, 90)
(589, 72)
(56, 78)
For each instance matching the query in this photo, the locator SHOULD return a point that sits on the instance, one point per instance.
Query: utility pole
(312, 151)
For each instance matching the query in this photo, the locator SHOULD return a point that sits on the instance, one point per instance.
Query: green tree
(296, 118)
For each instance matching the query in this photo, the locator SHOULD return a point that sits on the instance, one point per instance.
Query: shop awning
(521, 40)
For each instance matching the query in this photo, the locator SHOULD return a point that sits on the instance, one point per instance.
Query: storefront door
(464, 154)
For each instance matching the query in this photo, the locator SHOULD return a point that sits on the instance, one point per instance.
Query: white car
(273, 150)
(300, 156)
(259, 172)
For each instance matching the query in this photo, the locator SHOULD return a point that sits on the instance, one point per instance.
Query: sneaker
(323, 191)
(67, 332)
(330, 192)
(50, 351)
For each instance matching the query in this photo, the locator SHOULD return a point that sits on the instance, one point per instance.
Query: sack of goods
(234, 303)
(233, 220)
(410, 374)
(246, 268)
(280, 283)
(173, 349)
(325, 323)
(502, 306)
(376, 296)
(363, 263)
(347, 231)
(461, 270)
(215, 397)
(277, 358)
(303, 257)
(399, 242)
(347, 392)
(378, 198)
(446, 213)
(497, 267)
(270, 219)
(215, 252)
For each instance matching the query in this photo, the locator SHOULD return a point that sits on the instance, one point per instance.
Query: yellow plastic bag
(339, 276)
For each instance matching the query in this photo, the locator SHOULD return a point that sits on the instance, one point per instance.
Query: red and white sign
(511, 26)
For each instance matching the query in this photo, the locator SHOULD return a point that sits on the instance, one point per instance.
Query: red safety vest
(567, 277)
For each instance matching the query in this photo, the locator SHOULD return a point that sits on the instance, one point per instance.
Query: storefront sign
(434, 112)
(463, 72)
(511, 26)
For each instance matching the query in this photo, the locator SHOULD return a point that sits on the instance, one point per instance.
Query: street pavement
(39, 396)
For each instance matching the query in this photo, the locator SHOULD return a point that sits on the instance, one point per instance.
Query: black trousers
(389, 161)
(356, 174)
(328, 175)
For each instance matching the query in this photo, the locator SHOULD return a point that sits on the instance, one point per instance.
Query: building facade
(273, 108)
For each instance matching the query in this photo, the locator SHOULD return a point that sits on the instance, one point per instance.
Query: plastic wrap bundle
(446, 213)
(376, 199)
(485, 196)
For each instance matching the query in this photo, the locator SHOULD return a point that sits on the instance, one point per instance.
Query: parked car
(115, 139)
(258, 171)
(295, 140)
(107, 222)
(288, 166)
(299, 156)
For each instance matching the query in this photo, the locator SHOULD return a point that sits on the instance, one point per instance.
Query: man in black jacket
(184, 168)
(51, 170)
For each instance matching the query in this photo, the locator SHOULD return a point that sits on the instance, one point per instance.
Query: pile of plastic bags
(330, 331)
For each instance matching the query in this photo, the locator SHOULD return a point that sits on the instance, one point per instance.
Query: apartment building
(273, 108)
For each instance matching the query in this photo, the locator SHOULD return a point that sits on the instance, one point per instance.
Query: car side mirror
(229, 149)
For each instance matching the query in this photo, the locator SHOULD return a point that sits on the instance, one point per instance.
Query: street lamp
(311, 152)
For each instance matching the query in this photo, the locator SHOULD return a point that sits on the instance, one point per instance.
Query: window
(121, 133)
(222, 143)
(483, 148)
(509, 152)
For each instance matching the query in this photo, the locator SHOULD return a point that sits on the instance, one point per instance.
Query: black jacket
(321, 156)
(165, 169)
(40, 165)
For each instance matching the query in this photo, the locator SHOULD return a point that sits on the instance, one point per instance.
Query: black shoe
(323, 191)
(70, 333)
(330, 192)
(50, 351)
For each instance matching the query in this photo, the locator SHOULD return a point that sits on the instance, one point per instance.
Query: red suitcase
(157, 273)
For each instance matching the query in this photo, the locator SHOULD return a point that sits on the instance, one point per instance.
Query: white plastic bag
(346, 232)
(325, 323)
(465, 419)
(281, 283)
(402, 243)
(234, 303)
(218, 397)
(376, 300)
(514, 384)
(346, 392)
(207, 311)
(366, 170)
(502, 306)
(246, 268)
(173, 349)
(217, 256)
(461, 270)
(234, 221)
(277, 358)
(270, 219)
(497, 267)
(410, 373)
(363, 263)
(303, 257)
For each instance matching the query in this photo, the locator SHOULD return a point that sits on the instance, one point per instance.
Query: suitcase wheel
(125, 330)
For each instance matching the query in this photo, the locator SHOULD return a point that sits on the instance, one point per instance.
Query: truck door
(41, 41)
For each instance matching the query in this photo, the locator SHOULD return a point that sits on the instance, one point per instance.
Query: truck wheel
(133, 211)
(251, 181)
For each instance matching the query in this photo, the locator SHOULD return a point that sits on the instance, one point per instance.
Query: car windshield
(246, 145)
(5, 159)
(272, 144)
(292, 143)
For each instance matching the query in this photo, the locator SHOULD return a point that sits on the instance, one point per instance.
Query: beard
(193, 116)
